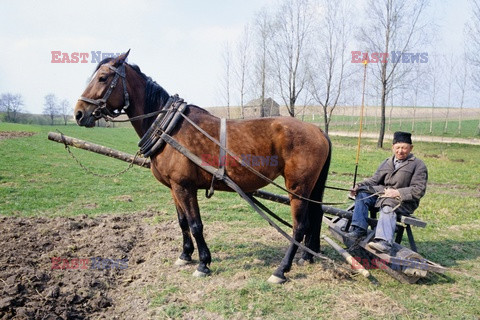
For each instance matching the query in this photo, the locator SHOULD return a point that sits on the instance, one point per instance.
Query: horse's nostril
(78, 115)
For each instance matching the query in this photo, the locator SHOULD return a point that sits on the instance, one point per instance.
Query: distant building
(253, 109)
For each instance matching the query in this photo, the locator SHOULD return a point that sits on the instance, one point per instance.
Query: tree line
(12, 106)
(311, 52)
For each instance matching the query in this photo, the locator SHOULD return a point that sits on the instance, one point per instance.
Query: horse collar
(151, 142)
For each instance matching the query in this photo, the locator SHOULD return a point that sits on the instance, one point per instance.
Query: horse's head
(104, 95)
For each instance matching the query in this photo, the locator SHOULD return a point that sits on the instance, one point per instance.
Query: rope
(141, 117)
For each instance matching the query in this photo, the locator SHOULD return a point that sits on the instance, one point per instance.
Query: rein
(140, 117)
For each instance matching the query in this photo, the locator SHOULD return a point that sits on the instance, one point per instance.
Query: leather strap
(223, 147)
(220, 172)
(151, 142)
(102, 110)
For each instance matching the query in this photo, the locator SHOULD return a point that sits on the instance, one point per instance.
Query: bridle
(101, 111)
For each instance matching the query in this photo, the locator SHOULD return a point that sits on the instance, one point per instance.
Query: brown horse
(301, 154)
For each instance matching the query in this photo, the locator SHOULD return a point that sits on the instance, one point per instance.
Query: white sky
(178, 43)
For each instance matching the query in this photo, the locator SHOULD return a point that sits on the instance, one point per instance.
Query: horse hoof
(181, 262)
(303, 262)
(276, 280)
(200, 274)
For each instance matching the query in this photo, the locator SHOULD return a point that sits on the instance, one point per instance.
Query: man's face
(402, 150)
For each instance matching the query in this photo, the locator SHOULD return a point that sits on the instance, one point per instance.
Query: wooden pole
(361, 123)
(354, 263)
(89, 146)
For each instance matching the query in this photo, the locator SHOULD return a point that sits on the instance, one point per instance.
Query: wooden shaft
(354, 263)
(89, 146)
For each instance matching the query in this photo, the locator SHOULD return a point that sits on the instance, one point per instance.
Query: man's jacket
(410, 179)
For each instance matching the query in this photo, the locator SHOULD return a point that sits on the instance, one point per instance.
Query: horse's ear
(121, 59)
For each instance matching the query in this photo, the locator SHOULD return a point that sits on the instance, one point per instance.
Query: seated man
(396, 187)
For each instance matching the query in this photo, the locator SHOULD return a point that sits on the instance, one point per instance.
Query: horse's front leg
(186, 256)
(186, 199)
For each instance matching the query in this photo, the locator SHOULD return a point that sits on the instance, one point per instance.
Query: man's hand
(353, 192)
(391, 193)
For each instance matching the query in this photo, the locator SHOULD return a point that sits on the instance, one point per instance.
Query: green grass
(38, 178)
(468, 128)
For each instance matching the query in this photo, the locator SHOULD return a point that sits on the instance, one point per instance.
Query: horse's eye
(103, 78)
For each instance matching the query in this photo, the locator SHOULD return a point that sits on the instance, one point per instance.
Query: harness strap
(151, 142)
(220, 173)
(223, 146)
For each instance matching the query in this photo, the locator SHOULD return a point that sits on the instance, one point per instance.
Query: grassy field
(39, 179)
(468, 128)
(443, 122)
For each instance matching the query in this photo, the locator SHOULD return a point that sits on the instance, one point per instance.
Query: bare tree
(461, 82)
(473, 35)
(226, 79)
(328, 71)
(242, 67)
(393, 25)
(50, 107)
(12, 105)
(65, 110)
(435, 71)
(420, 78)
(263, 36)
(290, 54)
(451, 65)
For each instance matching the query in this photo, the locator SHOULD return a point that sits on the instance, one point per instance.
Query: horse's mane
(155, 95)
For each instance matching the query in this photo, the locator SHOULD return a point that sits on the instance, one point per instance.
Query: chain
(88, 170)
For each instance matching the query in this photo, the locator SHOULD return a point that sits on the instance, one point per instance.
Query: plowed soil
(32, 287)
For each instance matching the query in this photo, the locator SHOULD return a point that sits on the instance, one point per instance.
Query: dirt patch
(121, 267)
(15, 134)
(79, 268)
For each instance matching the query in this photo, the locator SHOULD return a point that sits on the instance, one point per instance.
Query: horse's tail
(322, 179)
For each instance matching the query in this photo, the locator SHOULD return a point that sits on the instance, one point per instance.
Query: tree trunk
(382, 119)
(431, 119)
(86, 145)
(445, 126)
(383, 103)
(325, 119)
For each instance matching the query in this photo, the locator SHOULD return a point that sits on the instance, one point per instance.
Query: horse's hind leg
(314, 216)
(298, 208)
(186, 199)
(312, 235)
